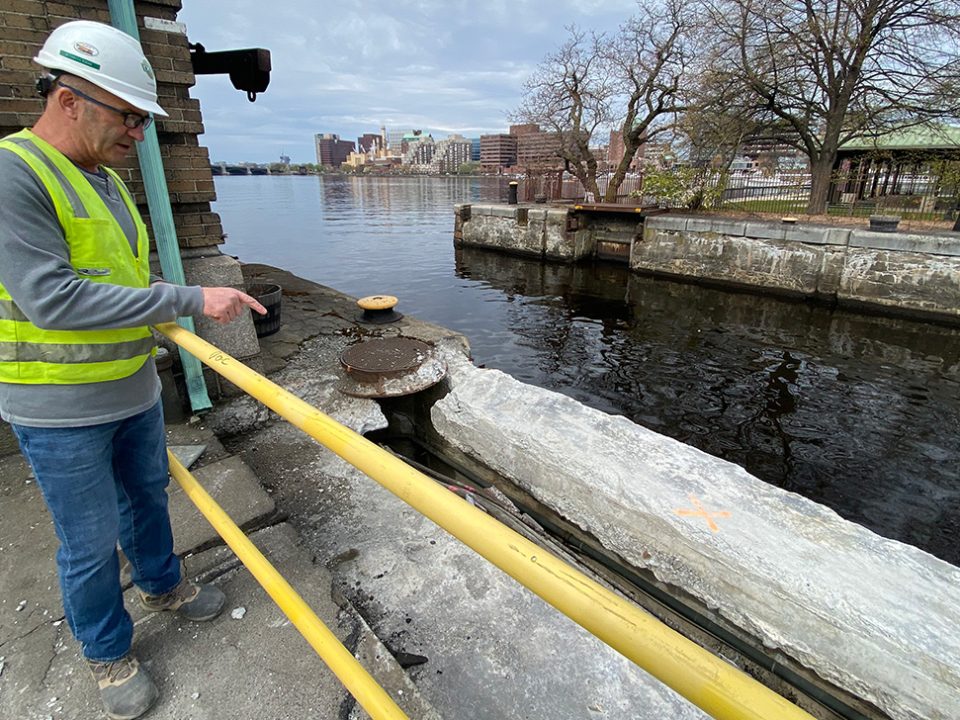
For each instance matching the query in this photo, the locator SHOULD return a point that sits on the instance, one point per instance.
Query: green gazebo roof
(944, 137)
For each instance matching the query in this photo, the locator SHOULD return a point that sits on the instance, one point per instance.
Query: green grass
(768, 206)
(800, 207)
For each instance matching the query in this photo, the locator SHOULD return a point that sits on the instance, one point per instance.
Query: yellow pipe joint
(707, 681)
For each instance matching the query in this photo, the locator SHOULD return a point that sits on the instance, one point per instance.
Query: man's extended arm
(35, 269)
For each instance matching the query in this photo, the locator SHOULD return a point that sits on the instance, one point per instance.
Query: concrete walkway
(249, 659)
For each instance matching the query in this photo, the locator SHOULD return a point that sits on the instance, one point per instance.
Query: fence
(784, 194)
(918, 197)
(560, 186)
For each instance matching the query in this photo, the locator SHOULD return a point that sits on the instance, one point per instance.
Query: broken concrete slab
(271, 665)
(233, 486)
(197, 432)
(872, 616)
(227, 668)
(187, 454)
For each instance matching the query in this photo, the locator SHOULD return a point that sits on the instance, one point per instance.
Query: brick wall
(25, 24)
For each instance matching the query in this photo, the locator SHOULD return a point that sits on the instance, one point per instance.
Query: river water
(857, 412)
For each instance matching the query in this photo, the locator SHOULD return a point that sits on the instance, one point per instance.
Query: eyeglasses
(130, 119)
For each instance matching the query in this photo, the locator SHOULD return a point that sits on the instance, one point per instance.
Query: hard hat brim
(141, 104)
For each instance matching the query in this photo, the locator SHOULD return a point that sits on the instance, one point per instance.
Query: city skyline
(437, 67)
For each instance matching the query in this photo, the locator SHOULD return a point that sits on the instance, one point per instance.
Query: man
(77, 378)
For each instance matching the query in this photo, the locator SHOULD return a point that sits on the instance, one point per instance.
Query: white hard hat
(107, 57)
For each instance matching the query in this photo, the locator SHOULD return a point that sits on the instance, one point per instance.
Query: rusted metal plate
(611, 250)
(389, 367)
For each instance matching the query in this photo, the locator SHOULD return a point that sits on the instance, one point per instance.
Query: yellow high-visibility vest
(99, 252)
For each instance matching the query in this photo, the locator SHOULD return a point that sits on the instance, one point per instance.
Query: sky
(441, 66)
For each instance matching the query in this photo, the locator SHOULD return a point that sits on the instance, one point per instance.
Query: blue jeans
(104, 483)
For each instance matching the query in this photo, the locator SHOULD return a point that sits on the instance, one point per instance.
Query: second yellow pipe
(341, 662)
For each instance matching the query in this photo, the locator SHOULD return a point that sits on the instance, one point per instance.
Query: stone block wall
(720, 251)
(894, 273)
(522, 230)
(900, 273)
(25, 24)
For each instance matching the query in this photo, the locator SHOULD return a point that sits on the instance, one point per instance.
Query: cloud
(435, 65)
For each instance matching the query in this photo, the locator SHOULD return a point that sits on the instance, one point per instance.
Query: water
(857, 412)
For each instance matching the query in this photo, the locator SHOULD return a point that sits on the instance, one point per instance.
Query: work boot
(189, 600)
(126, 690)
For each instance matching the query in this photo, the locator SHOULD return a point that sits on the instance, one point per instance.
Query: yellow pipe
(344, 665)
(712, 684)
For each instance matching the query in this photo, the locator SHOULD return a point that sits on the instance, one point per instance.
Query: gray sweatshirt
(35, 269)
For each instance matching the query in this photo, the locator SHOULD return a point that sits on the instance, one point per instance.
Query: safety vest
(100, 253)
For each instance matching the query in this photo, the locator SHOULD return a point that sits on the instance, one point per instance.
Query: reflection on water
(856, 412)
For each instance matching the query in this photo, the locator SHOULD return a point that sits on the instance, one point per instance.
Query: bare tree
(568, 94)
(633, 83)
(711, 132)
(827, 71)
(652, 64)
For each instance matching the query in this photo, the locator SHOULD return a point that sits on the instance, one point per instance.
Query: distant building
(524, 129)
(284, 159)
(616, 151)
(369, 142)
(395, 140)
(356, 159)
(655, 155)
(538, 150)
(497, 151)
(743, 164)
(449, 154)
(600, 154)
(475, 149)
(773, 151)
(419, 150)
(331, 150)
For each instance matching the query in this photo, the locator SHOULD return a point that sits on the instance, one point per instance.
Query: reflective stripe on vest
(56, 353)
(99, 252)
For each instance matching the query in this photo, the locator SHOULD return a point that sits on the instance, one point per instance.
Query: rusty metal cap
(390, 367)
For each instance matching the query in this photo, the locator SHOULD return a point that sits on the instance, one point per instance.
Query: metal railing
(912, 197)
(723, 691)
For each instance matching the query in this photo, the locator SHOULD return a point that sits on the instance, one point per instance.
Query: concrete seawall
(901, 273)
(872, 618)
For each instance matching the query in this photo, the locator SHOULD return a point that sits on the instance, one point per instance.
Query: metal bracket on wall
(249, 69)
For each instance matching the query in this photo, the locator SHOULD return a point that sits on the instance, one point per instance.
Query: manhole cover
(390, 367)
(387, 356)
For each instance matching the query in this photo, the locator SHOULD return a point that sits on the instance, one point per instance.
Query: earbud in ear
(44, 85)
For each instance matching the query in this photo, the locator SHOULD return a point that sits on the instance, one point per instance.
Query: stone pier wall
(870, 619)
(897, 272)
(534, 231)
(902, 273)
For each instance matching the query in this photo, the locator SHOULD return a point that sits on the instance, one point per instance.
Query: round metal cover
(390, 367)
(386, 356)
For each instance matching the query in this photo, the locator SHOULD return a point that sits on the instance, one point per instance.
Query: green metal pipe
(124, 17)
